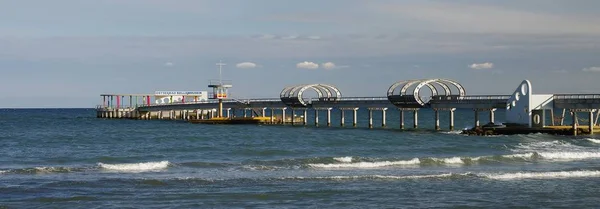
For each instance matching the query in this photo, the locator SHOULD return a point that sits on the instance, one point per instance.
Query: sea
(68, 158)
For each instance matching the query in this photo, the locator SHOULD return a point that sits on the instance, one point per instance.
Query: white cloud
(480, 66)
(328, 65)
(331, 66)
(314, 37)
(246, 65)
(307, 65)
(292, 37)
(591, 69)
(169, 64)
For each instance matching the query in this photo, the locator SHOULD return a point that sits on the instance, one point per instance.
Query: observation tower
(219, 89)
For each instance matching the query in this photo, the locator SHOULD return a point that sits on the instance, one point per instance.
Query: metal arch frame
(441, 82)
(444, 83)
(324, 91)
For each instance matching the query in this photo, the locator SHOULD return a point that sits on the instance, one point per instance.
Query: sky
(65, 53)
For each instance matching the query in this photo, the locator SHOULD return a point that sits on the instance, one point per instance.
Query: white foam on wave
(445, 175)
(597, 141)
(451, 160)
(414, 161)
(133, 167)
(453, 132)
(347, 159)
(547, 146)
(542, 175)
(569, 155)
(1, 172)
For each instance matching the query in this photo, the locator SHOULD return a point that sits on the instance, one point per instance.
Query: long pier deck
(523, 107)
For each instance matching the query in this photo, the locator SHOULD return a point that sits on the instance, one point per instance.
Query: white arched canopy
(292, 95)
(398, 92)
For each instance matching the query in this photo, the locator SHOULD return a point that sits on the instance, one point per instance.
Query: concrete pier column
(370, 118)
(283, 115)
(197, 114)
(263, 112)
(160, 115)
(402, 119)
(245, 114)
(293, 116)
(342, 117)
(437, 120)
(383, 119)
(574, 125)
(328, 116)
(272, 115)
(591, 122)
(476, 117)
(354, 117)
(452, 119)
(492, 118)
(316, 117)
(305, 118)
(415, 119)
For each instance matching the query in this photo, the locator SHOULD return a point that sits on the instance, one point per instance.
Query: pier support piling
(293, 116)
(370, 118)
(342, 117)
(283, 115)
(574, 125)
(354, 116)
(451, 119)
(328, 116)
(401, 119)
(272, 115)
(316, 117)
(383, 118)
(476, 117)
(492, 118)
(591, 122)
(437, 120)
(415, 119)
(305, 118)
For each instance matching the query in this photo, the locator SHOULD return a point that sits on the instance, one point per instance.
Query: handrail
(470, 97)
(576, 96)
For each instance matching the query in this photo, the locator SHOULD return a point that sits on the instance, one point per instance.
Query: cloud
(307, 65)
(246, 65)
(169, 64)
(480, 66)
(331, 66)
(292, 37)
(328, 65)
(591, 69)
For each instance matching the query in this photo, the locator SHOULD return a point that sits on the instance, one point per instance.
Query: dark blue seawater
(67, 158)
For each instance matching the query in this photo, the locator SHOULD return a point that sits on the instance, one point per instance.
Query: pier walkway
(522, 107)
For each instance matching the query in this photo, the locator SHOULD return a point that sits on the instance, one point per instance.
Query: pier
(525, 111)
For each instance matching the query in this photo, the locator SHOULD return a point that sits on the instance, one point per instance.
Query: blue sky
(64, 53)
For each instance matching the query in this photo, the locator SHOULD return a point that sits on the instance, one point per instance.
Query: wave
(542, 175)
(597, 141)
(135, 167)
(456, 160)
(492, 176)
(366, 177)
(414, 161)
(343, 159)
(42, 170)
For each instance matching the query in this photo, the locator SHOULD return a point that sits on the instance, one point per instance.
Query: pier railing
(577, 96)
(472, 98)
